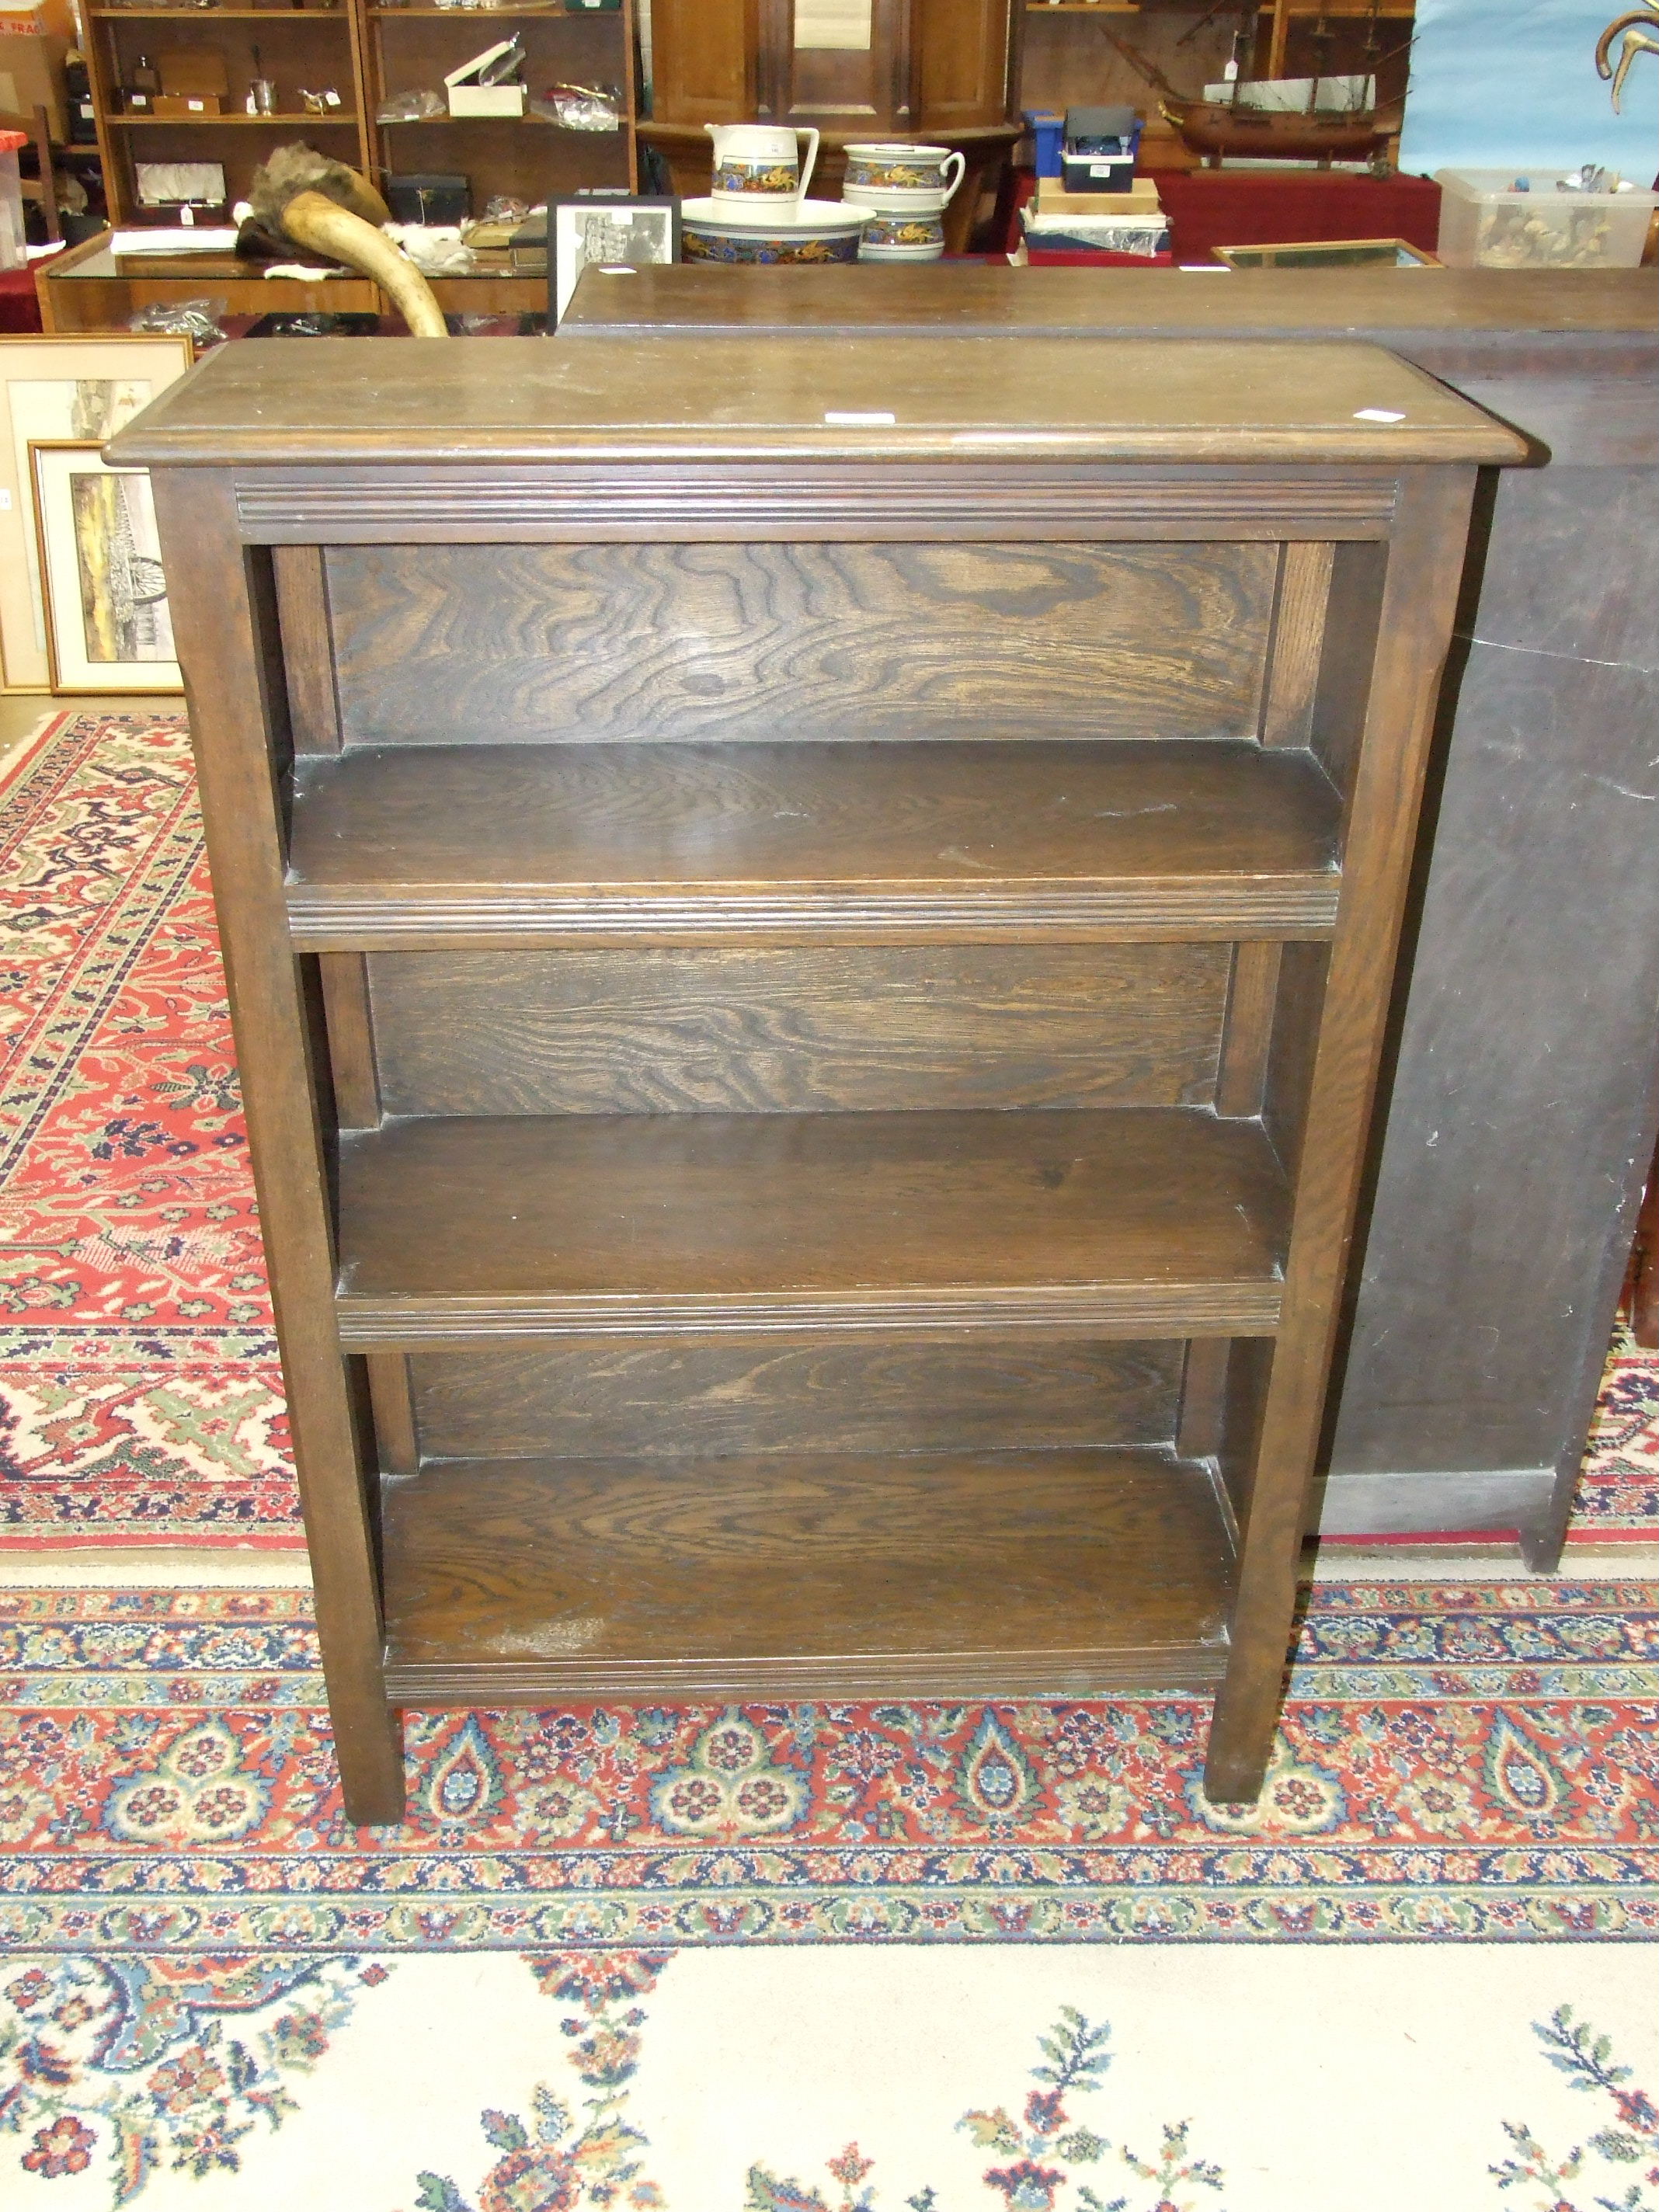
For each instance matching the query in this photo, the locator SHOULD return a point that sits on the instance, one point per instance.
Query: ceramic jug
(760, 162)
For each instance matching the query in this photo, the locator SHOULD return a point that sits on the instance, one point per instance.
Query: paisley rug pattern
(1469, 1764)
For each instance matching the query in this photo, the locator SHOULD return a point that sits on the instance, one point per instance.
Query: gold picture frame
(108, 625)
(1328, 253)
(55, 388)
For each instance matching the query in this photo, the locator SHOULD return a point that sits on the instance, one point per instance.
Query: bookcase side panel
(222, 603)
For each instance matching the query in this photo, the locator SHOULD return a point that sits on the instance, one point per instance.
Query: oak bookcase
(810, 929)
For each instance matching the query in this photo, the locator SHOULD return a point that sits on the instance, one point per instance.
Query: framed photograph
(108, 626)
(56, 389)
(605, 233)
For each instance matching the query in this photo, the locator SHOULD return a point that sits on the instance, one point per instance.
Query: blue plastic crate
(1048, 130)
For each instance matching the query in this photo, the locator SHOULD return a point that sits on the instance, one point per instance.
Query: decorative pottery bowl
(808, 231)
(903, 237)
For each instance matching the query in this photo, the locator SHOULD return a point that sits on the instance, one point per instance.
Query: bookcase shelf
(345, 119)
(417, 845)
(1139, 1223)
(808, 1067)
(517, 1581)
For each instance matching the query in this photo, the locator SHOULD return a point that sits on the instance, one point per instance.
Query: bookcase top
(1174, 401)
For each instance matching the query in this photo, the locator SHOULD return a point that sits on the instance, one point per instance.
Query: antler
(1636, 30)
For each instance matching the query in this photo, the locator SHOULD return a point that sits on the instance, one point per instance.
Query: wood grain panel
(1246, 1373)
(654, 1402)
(1298, 1008)
(307, 647)
(343, 981)
(1203, 1388)
(1251, 1001)
(1304, 584)
(1139, 1221)
(527, 645)
(1341, 694)
(702, 74)
(964, 61)
(392, 1403)
(813, 1030)
(830, 1575)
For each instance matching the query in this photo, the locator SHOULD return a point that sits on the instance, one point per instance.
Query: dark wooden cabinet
(943, 71)
(809, 954)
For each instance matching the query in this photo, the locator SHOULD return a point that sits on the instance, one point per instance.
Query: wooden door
(703, 58)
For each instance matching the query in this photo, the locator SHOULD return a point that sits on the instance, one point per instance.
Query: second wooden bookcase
(809, 930)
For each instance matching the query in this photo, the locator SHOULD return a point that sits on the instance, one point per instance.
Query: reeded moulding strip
(695, 503)
(1194, 1666)
(381, 921)
(1170, 1310)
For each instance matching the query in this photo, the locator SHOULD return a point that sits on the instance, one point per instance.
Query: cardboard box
(467, 97)
(1053, 198)
(32, 43)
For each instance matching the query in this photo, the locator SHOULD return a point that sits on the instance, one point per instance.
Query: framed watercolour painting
(108, 625)
(54, 390)
(612, 233)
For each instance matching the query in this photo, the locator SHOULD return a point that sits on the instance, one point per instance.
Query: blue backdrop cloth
(1513, 86)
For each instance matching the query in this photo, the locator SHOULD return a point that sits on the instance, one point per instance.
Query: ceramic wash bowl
(793, 231)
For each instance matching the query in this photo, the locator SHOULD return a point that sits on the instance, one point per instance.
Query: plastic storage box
(1046, 130)
(12, 255)
(1099, 152)
(1517, 219)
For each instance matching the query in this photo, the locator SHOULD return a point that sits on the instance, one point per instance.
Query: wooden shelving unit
(809, 970)
(410, 49)
(312, 47)
(366, 52)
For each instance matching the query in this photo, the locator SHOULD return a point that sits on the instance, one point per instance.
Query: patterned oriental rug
(824, 1959)
(140, 1397)
(834, 1958)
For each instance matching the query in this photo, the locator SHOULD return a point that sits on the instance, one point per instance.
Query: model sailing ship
(1319, 119)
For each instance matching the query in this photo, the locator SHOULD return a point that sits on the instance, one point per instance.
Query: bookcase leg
(369, 1747)
(1242, 1730)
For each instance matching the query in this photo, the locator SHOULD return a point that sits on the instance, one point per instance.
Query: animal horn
(311, 220)
(317, 202)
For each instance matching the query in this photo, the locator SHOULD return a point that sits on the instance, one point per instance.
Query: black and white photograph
(614, 233)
